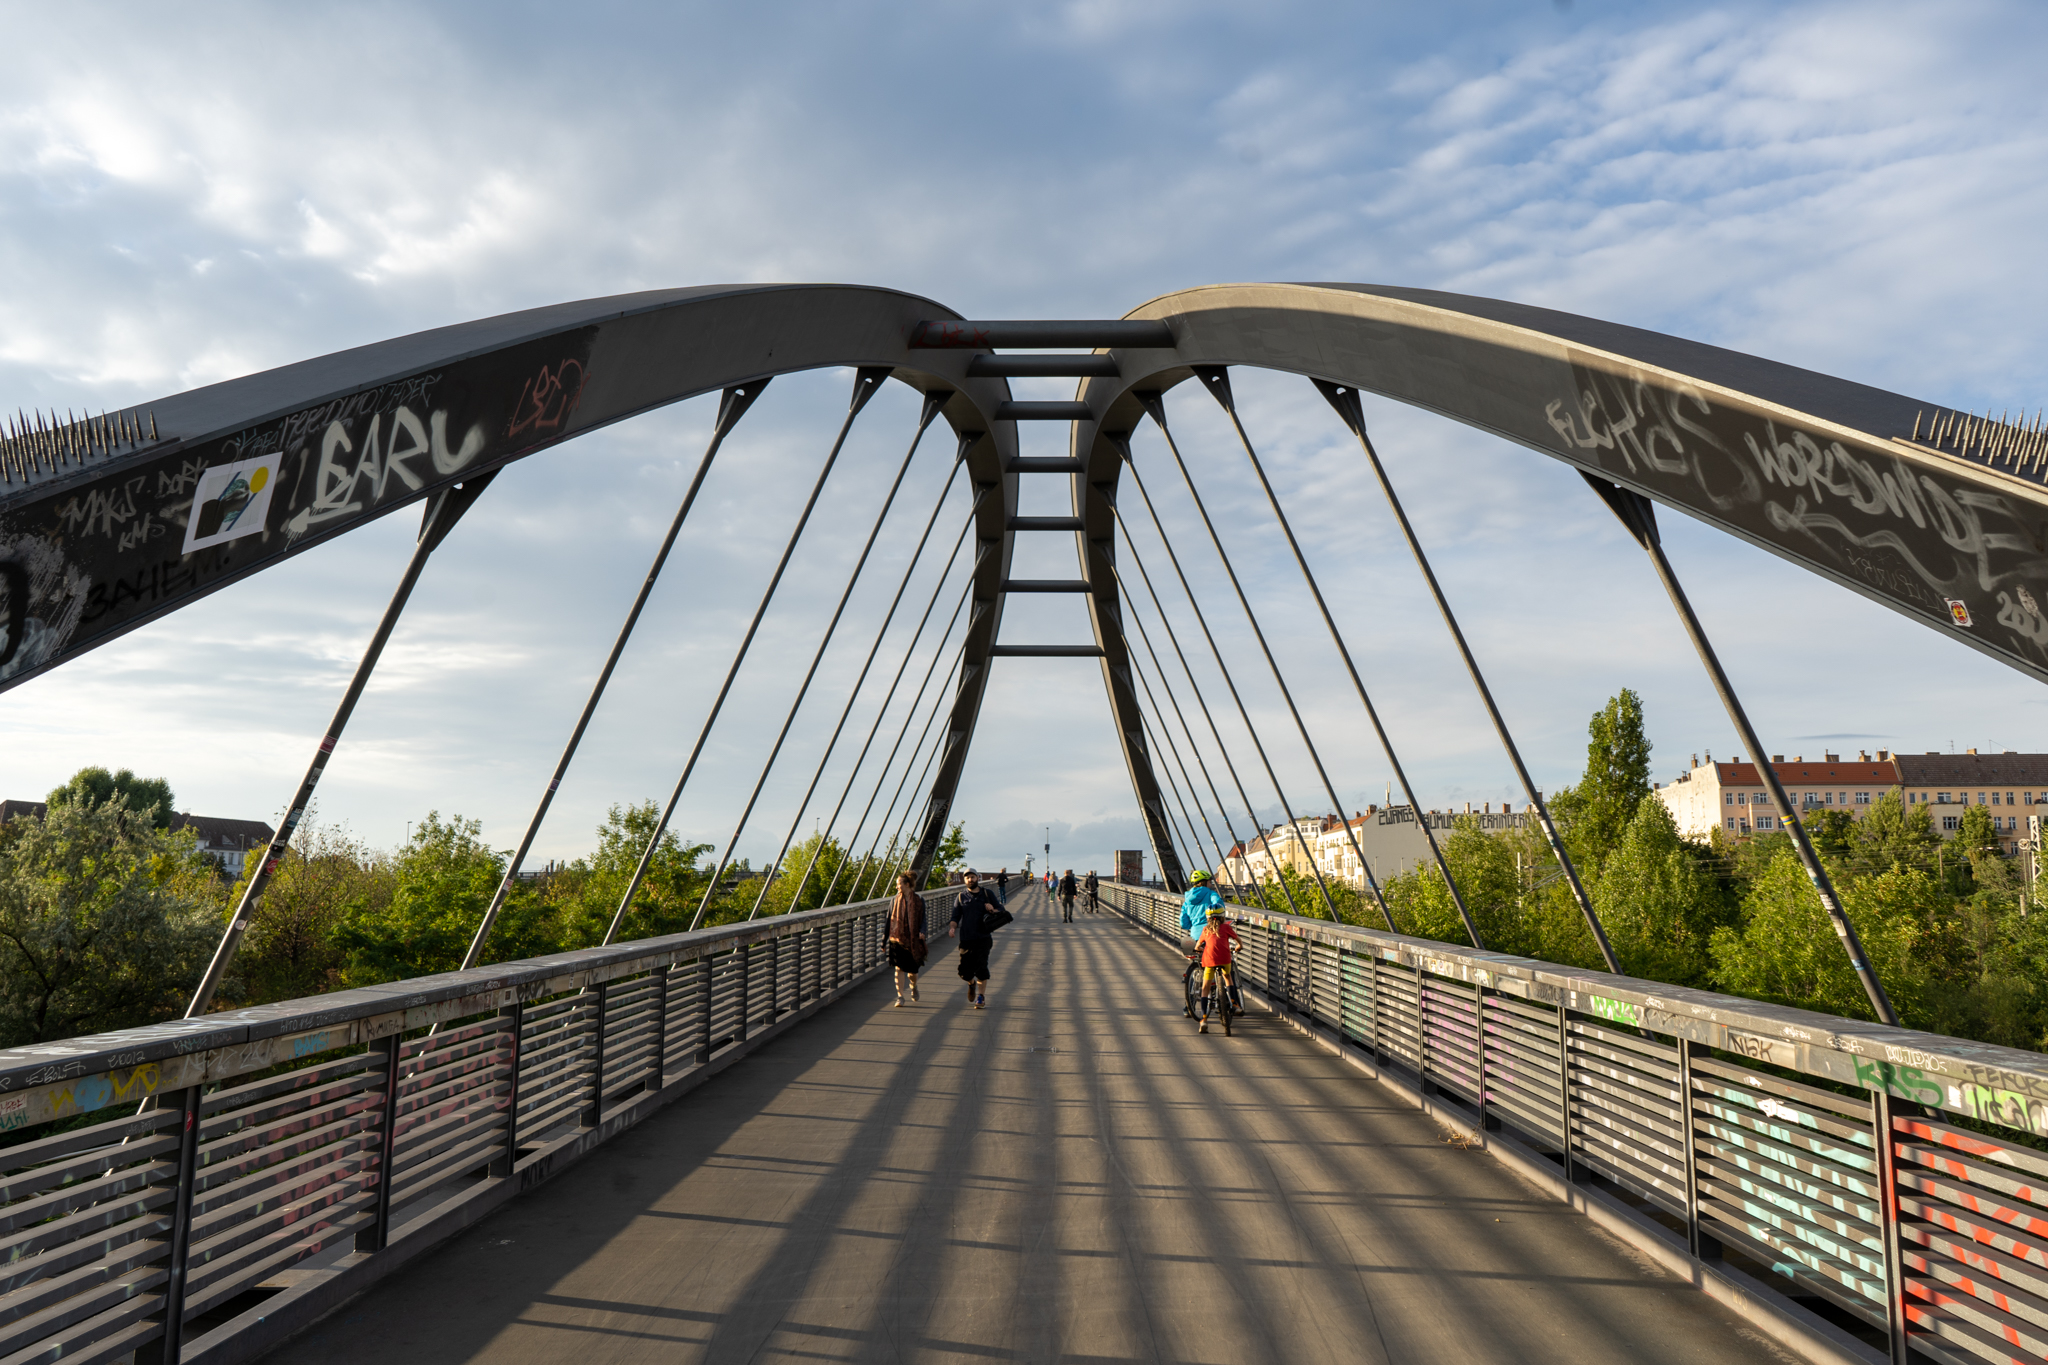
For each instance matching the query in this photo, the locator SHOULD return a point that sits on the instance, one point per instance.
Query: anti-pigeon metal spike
(1916, 427)
(152, 428)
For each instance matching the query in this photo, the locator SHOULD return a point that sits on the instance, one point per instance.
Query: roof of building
(213, 831)
(1933, 770)
(1799, 772)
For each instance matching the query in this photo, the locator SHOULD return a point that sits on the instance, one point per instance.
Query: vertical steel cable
(1345, 400)
(853, 693)
(1217, 380)
(939, 707)
(1222, 808)
(866, 382)
(1173, 749)
(909, 716)
(1155, 404)
(1639, 515)
(1173, 638)
(732, 405)
(928, 410)
(1158, 413)
(1155, 726)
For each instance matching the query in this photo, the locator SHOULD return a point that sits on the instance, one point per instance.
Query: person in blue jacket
(1195, 906)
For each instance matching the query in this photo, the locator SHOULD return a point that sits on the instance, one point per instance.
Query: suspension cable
(866, 382)
(1345, 400)
(910, 714)
(1157, 409)
(853, 693)
(933, 401)
(1180, 845)
(1217, 381)
(1156, 730)
(938, 745)
(732, 405)
(1173, 638)
(1167, 687)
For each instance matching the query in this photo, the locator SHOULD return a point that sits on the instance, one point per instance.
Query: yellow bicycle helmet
(1198, 875)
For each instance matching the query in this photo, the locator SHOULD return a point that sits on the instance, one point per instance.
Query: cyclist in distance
(1218, 940)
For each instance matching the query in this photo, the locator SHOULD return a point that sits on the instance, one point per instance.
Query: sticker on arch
(231, 501)
(1958, 610)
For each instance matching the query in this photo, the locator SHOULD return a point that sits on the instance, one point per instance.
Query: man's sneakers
(980, 1001)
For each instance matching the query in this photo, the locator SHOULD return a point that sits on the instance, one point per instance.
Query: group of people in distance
(979, 912)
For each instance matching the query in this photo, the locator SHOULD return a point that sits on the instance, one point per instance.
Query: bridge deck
(1069, 1175)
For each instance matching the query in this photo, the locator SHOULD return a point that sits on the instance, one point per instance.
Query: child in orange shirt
(1218, 940)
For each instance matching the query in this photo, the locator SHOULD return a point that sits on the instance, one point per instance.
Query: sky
(193, 195)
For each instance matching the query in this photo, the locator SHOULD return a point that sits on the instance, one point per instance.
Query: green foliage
(443, 878)
(1657, 901)
(1894, 834)
(291, 949)
(1595, 813)
(950, 857)
(1786, 950)
(96, 786)
(106, 921)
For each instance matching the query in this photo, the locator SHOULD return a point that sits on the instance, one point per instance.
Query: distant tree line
(108, 917)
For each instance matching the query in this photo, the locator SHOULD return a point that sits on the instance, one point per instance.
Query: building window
(1729, 800)
(1980, 798)
(1950, 821)
(1994, 798)
(1941, 798)
(1731, 822)
(1862, 798)
(1766, 822)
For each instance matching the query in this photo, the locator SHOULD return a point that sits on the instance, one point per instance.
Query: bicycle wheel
(1188, 989)
(1223, 1006)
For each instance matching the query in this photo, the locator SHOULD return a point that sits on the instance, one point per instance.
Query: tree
(149, 796)
(1894, 834)
(1786, 949)
(950, 856)
(291, 949)
(1659, 906)
(105, 921)
(1597, 811)
(445, 877)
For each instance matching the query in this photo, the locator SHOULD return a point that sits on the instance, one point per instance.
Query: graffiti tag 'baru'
(341, 489)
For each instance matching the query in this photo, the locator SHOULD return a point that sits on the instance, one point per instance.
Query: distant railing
(320, 1132)
(1935, 1235)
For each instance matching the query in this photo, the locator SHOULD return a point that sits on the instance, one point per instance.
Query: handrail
(286, 1129)
(1933, 1236)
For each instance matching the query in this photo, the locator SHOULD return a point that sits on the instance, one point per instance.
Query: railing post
(774, 978)
(1422, 1034)
(1881, 1109)
(744, 954)
(514, 1027)
(1479, 1018)
(1564, 1089)
(657, 1061)
(374, 1237)
(595, 1112)
(704, 1010)
(173, 1349)
(1703, 1245)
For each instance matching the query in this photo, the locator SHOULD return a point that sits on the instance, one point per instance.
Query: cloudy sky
(190, 196)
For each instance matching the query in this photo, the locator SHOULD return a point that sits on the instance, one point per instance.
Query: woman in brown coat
(906, 936)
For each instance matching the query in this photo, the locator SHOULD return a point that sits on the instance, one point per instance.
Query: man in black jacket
(970, 915)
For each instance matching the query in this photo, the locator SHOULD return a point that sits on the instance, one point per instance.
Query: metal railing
(1814, 1146)
(292, 1144)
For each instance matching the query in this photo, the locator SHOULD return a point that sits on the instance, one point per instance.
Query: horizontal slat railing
(1852, 1186)
(298, 1130)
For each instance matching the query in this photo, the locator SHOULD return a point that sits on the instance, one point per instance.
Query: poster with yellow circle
(231, 501)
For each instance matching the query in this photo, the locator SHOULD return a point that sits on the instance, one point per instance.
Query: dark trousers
(1067, 904)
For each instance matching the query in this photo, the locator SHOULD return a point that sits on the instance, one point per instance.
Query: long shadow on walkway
(1070, 1175)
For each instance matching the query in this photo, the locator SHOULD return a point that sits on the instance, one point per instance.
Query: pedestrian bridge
(729, 1145)
(724, 1144)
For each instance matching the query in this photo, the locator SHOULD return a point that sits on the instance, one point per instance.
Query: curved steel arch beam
(105, 543)
(1817, 470)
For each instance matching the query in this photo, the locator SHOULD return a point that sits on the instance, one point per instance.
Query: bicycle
(1191, 991)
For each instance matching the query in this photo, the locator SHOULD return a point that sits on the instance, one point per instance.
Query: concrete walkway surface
(1071, 1175)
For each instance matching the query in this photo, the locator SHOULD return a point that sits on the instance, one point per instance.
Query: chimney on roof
(1884, 755)
(1777, 758)
(1695, 760)
(1736, 759)
(1862, 756)
(1830, 758)
(1969, 751)
(2012, 751)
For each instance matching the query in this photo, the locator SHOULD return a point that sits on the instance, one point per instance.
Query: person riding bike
(1218, 940)
(1196, 905)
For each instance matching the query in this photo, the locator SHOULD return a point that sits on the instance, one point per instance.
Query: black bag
(996, 919)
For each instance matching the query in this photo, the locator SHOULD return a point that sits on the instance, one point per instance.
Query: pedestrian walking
(976, 917)
(1067, 889)
(907, 950)
(1003, 887)
(1093, 886)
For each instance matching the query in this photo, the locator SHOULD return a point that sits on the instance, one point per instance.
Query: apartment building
(1731, 796)
(1390, 837)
